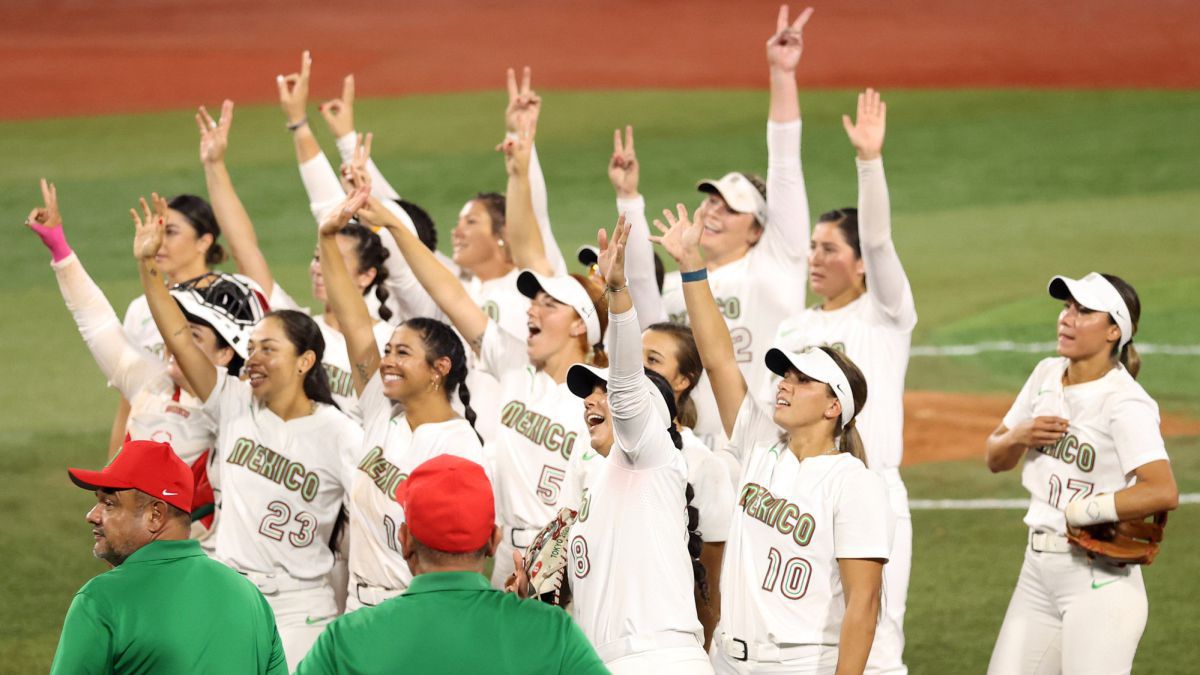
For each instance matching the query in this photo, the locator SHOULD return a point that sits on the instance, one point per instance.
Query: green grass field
(993, 192)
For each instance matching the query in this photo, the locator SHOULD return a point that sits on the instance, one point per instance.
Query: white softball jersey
(712, 491)
(282, 482)
(780, 583)
(391, 450)
(159, 410)
(875, 330)
(631, 574)
(541, 422)
(504, 304)
(1113, 429)
(768, 284)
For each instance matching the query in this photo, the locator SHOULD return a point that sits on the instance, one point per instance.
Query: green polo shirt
(169, 609)
(453, 622)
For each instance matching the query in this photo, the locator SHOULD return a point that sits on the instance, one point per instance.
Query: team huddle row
(701, 447)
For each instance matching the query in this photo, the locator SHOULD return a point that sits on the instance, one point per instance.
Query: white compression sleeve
(380, 187)
(639, 263)
(787, 198)
(886, 280)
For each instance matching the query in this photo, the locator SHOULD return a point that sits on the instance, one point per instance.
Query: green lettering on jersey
(778, 513)
(538, 428)
(1071, 450)
(492, 310)
(385, 475)
(340, 381)
(274, 467)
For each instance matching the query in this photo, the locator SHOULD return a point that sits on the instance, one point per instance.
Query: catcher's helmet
(228, 304)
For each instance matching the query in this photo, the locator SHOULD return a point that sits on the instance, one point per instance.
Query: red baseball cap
(448, 504)
(149, 466)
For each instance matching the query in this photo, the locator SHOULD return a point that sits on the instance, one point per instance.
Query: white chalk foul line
(1038, 348)
(990, 504)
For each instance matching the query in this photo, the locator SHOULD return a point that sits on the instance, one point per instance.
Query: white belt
(1048, 542)
(370, 595)
(740, 650)
(636, 644)
(520, 538)
(270, 584)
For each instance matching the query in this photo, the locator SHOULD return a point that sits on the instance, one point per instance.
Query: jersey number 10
(796, 573)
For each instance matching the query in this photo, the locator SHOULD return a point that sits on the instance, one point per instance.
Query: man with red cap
(164, 607)
(450, 620)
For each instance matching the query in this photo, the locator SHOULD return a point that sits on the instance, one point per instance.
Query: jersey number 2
(278, 515)
(796, 573)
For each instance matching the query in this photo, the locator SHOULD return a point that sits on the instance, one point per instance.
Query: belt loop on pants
(370, 595)
(636, 644)
(271, 584)
(520, 538)
(741, 650)
(1041, 541)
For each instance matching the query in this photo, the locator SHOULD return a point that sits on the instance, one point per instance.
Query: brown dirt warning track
(83, 57)
(80, 57)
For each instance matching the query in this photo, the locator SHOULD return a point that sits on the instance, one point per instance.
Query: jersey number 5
(796, 573)
(549, 484)
(278, 515)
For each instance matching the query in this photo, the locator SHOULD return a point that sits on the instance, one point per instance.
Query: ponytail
(850, 441)
(595, 353)
(371, 256)
(441, 342)
(1131, 360)
(1128, 355)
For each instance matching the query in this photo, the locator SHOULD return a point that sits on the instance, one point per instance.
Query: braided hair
(695, 543)
(371, 255)
(440, 341)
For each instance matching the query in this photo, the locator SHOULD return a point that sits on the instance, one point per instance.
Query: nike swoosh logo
(590, 455)
(1044, 391)
(170, 494)
(1096, 585)
(312, 622)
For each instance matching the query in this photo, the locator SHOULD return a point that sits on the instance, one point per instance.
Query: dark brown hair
(687, 356)
(1128, 356)
(600, 301)
(199, 214)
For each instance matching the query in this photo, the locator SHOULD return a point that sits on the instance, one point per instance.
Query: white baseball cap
(739, 193)
(818, 365)
(567, 290)
(1096, 293)
(587, 255)
(227, 304)
(582, 380)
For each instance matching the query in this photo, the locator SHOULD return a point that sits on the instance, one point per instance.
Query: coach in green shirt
(165, 607)
(450, 620)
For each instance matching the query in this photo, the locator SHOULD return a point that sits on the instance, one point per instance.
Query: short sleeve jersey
(541, 422)
(282, 482)
(392, 450)
(794, 519)
(879, 346)
(160, 411)
(1113, 429)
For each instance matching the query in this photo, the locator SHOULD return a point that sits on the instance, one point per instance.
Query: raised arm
(787, 227)
(524, 236)
(623, 173)
(172, 324)
(682, 241)
(339, 115)
(293, 98)
(124, 365)
(524, 105)
(231, 215)
(441, 284)
(344, 298)
(887, 282)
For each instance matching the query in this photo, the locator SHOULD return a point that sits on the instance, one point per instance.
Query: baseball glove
(547, 556)
(1128, 542)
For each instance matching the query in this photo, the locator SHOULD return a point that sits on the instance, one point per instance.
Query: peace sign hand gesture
(623, 168)
(867, 131)
(518, 150)
(149, 228)
(46, 223)
(681, 238)
(339, 112)
(293, 90)
(523, 103)
(611, 261)
(787, 44)
(214, 135)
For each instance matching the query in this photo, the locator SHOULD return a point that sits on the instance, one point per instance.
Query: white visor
(818, 365)
(739, 193)
(582, 380)
(587, 255)
(1096, 293)
(569, 292)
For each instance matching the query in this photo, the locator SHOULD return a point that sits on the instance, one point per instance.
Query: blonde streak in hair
(852, 442)
(688, 415)
(1131, 360)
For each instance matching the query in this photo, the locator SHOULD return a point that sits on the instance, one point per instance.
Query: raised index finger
(512, 86)
(348, 89)
(629, 138)
(781, 22)
(47, 195)
(526, 76)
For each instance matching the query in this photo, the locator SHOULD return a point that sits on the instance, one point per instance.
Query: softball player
(405, 400)
(867, 312)
(633, 514)
(361, 249)
(163, 406)
(1093, 453)
(800, 588)
(286, 451)
(755, 234)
